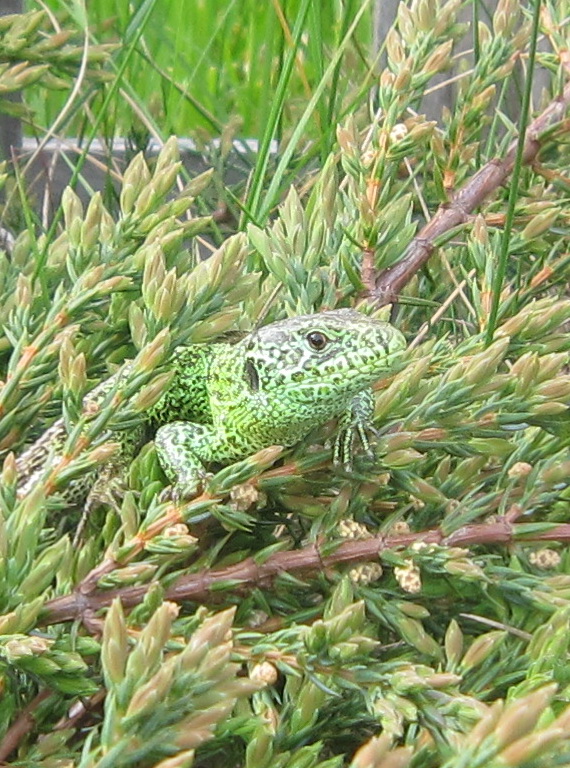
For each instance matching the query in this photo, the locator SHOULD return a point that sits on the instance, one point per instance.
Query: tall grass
(201, 66)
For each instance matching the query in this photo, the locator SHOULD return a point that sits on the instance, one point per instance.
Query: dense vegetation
(413, 612)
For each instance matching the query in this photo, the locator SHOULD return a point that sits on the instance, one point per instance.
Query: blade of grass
(205, 114)
(476, 57)
(501, 271)
(273, 46)
(272, 193)
(252, 203)
(329, 123)
(132, 36)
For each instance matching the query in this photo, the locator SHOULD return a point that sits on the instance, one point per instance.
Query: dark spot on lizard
(252, 376)
(384, 343)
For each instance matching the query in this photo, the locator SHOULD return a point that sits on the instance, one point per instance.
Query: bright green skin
(227, 401)
(271, 388)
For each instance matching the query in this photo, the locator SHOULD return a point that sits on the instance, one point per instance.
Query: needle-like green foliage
(414, 612)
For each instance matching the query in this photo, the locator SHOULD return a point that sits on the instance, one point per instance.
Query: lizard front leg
(182, 448)
(357, 420)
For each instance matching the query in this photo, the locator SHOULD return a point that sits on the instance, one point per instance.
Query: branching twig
(391, 281)
(24, 723)
(248, 573)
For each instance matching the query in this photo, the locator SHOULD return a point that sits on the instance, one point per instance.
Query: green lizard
(226, 401)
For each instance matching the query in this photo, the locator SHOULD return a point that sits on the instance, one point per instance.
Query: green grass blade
(501, 270)
(272, 194)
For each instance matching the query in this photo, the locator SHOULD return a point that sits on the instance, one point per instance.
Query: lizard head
(310, 358)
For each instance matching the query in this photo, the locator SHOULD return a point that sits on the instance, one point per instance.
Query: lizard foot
(107, 491)
(185, 489)
(356, 422)
(343, 449)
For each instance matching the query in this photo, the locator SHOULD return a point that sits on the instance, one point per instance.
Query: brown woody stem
(24, 723)
(391, 281)
(243, 576)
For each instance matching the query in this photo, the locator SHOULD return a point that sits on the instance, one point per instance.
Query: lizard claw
(186, 489)
(357, 421)
(165, 495)
(176, 494)
(344, 444)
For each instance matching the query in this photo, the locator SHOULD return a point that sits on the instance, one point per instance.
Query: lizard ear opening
(252, 376)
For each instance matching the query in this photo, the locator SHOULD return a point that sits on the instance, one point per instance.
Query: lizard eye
(317, 340)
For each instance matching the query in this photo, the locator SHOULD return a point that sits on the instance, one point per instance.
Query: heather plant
(413, 611)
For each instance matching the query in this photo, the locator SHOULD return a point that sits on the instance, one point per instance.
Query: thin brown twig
(458, 286)
(26, 721)
(23, 724)
(391, 281)
(248, 573)
(458, 290)
(79, 711)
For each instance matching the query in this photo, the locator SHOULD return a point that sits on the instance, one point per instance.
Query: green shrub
(413, 612)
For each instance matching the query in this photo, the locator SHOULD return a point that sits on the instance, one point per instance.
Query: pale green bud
(114, 645)
(481, 648)
(167, 156)
(540, 223)
(440, 58)
(92, 224)
(521, 715)
(523, 750)
(453, 643)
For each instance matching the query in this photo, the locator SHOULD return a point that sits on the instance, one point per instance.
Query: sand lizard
(227, 401)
